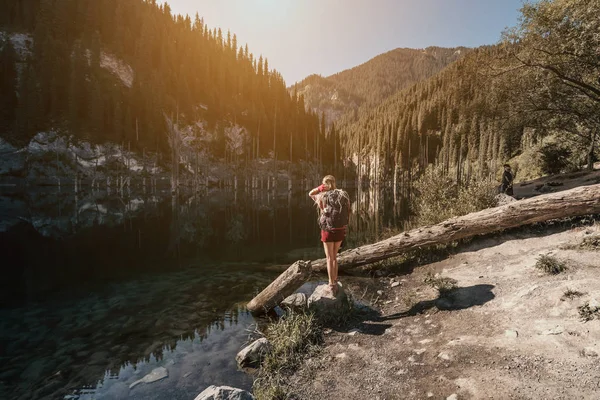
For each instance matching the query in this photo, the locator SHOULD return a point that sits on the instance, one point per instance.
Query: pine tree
(28, 110)
(8, 86)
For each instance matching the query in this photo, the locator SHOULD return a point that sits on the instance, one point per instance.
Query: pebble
(554, 331)
(511, 333)
(444, 356)
(341, 356)
(380, 292)
(453, 396)
(394, 284)
(353, 332)
(590, 352)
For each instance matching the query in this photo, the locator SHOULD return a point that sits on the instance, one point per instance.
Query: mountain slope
(457, 115)
(375, 80)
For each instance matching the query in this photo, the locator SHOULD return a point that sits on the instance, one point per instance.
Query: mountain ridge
(373, 81)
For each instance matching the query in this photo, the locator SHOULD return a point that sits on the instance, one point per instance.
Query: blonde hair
(329, 182)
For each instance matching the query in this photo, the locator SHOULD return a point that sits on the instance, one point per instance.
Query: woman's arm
(313, 193)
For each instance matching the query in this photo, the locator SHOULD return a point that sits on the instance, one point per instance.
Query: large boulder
(327, 305)
(251, 356)
(224, 393)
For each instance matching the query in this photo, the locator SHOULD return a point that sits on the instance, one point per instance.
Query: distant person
(334, 210)
(507, 181)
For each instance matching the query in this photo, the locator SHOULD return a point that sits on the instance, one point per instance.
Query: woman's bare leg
(336, 248)
(330, 255)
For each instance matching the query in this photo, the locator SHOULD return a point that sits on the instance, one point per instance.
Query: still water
(98, 290)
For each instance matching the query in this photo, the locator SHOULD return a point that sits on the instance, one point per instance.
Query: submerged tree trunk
(575, 202)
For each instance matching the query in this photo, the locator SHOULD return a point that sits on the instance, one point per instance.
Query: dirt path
(556, 183)
(507, 333)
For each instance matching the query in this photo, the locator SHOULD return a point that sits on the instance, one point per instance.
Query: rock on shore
(325, 303)
(252, 355)
(224, 393)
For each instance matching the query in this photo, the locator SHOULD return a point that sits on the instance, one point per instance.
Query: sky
(304, 37)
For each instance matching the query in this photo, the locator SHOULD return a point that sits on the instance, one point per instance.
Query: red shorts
(336, 235)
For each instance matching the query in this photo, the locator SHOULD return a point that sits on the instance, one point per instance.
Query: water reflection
(99, 290)
(377, 214)
(193, 364)
(57, 346)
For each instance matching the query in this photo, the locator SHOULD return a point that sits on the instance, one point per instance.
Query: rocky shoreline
(59, 159)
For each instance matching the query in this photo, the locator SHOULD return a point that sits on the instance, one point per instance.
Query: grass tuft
(588, 313)
(409, 299)
(590, 243)
(293, 337)
(443, 284)
(570, 294)
(550, 265)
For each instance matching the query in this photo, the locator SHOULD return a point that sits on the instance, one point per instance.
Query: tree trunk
(285, 284)
(590, 161)
(568, 203)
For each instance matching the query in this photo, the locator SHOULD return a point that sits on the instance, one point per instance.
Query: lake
(98, 290)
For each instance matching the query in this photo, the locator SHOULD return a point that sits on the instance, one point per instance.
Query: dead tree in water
(174, 136)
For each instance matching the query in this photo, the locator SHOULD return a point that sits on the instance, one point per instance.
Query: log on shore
(569, 203)
(283, 286)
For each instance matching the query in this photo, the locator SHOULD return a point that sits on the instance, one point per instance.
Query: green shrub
(526, 166)
(554, 158)
(438, 198)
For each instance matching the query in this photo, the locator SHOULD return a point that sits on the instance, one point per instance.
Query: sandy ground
(506, 333)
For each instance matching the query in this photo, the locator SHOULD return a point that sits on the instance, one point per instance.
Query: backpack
(336, 210)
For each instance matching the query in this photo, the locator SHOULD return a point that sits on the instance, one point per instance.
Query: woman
(334, 210)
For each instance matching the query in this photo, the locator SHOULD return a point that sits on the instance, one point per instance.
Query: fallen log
(569, 203)
(283, 286)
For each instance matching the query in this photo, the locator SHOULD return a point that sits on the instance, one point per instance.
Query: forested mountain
(375, 80)
(495, 103)
(448, 116)
(174, 66)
